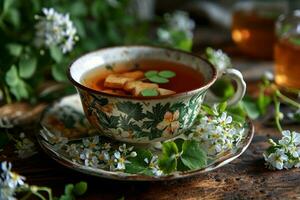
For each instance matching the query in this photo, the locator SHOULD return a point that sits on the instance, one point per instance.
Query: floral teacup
(145, 120)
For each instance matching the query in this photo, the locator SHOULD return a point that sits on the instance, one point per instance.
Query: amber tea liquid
(254, 33)
(287, 62)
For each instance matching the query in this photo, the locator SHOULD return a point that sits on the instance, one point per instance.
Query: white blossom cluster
(9, 182)
(217, 133)
(218, 58)
(284, 154)
(55, 29)
(100, 155)
(179, 21)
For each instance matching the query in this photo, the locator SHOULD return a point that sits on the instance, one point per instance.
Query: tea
(143, 78)
(287, 62)
(254, 33)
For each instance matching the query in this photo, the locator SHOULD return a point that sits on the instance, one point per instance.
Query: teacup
(145, 120)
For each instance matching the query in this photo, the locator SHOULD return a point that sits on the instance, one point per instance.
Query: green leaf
(80, 188)
(7, 5)
(151, 73)
(185, 44)
(69, 189)
(223, 88)
(13, 16)
(237, 112)
(56, 54)
(179, 143)
(263, 102)
(207, 109)
(138, 165)
(27, 66)
(294, 40)
(14, 49)
(167, 74)
(222, 107)
(158, 79)
(249, 105)
(58, 73)
(168, 161)
(149, 92)
(193, 156)
(11, 76)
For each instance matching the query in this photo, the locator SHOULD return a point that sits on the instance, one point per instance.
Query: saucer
(66, 133)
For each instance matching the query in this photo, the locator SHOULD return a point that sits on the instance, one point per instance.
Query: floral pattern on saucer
(101, 156)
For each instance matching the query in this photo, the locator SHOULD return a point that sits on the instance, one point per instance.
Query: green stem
(39, 195)
(287, 99)
(48, 190)
(7, 95)
(277, 112)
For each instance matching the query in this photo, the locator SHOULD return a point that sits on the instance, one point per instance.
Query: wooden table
(244, 178)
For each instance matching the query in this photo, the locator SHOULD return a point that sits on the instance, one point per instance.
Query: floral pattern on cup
(140, 121)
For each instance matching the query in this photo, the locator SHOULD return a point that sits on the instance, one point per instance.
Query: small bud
(133, 154)
(280, 115)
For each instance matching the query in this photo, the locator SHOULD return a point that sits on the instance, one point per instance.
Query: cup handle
(240, 90)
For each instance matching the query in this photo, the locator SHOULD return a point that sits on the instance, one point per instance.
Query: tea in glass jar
(253, 27)
(287, 51)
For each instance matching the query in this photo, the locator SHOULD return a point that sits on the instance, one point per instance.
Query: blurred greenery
(101, 23)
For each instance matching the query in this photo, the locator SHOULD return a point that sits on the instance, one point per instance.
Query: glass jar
(253, 26)
(287, 50)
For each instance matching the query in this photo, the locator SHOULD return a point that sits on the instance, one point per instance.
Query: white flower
(217, 133)
(224, 119)
(153, 165)
(290, 137)
(86, 156)
(120, 160)
(218, 58)
(276, 160)
(91, 143)
(9, 182)
(124, 149)
(269, 75)
(55, 29)
(25, 147)
(179, 21)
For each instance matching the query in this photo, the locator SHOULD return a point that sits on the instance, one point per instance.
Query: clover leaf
(159, 77)
(149, 92)
(193, 156)
(167, 74)
(168, 162)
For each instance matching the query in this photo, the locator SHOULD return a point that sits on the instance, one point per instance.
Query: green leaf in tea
(167, 74)
(193, 156)
(158, 79)
(151, 73)
(149, 93)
